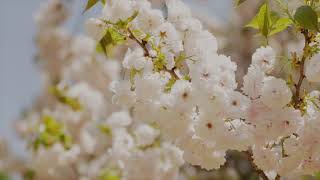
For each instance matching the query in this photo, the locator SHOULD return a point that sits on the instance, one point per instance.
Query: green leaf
(274, 17)
(262, 20)
(111, 38)
(133, 73)
(65, 140)
(307, 18)
(64, 99)
(280, 25)
(179, 60)
(268, 22)
(105, 129)
(160, 61)
(113, 35)
(169, 85)
(50, 132)
(124, 23)
(116, 37)
(4, 176)
(253, 23)
(29, 174)
(290, 81)
(317, 176)
(109, 174)
(147, 37)
(52, 126)
(239, 2)
(187, 78)
(90, 4)
(99, 48)
(138, 34)
(133, 16)
(283, 4)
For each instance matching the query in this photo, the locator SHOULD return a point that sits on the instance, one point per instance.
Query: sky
(19, 78)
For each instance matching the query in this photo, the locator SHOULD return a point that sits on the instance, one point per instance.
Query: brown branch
(143, 45)
(254, 166)
(172, 73)
(297, 98)
(278, 177)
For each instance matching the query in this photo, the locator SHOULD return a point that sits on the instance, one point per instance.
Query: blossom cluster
(148, 91)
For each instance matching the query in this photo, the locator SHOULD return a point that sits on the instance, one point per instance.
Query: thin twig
(254, 166)
(297, 98)
(143, 45)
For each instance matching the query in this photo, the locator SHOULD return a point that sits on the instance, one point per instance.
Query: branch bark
(143, 45)
(254, 166)
(297, 98)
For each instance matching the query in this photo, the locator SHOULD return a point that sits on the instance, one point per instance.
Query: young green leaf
(269, 22)
(159, 62)
(239, 2)
(109, 174)
(307, 18)
(90, 4)
(52, 126)
(253, 23)
(169, 85)
(29, 174)
(280, 25)
(50, 132)
(133, 73)
(124, 23)
(4, 176)
(64, 99)
(111, 38)
(105, 129)
(133, 16)
(66, 141)
(262, 20)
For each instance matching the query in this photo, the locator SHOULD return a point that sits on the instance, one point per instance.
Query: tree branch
(143, 45)
(254, 166)
(297, 98)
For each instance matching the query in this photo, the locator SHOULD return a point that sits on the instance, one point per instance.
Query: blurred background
(20, 81)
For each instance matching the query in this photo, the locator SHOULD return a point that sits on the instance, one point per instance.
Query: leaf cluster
(50, 131)
(64, 99)
(269, 22)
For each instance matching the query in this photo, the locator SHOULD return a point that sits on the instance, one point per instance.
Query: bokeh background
(20, 81)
